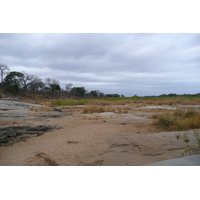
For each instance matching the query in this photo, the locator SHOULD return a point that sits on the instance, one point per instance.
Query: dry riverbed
(122, 136)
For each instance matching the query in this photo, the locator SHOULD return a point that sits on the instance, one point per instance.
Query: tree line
(21, 82)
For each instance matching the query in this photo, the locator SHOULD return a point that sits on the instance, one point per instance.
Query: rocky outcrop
(11, 134)
(4, 97)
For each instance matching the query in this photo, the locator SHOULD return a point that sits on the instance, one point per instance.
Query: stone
(11, 133)
(40, 128)
(2, 133)
(4, 128)
(35, 132)
(3, 139)
(22, 132)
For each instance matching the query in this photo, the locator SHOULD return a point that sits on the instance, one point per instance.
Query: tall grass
(89, 109)
(179, 120)
(60, 102)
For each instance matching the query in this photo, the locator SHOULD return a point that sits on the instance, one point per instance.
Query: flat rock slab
(11, 111)
(158, 107)
(185, 161)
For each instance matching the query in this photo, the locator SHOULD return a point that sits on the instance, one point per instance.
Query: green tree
(52, 85)
(14, 81)
(94, 93)
(78, 91)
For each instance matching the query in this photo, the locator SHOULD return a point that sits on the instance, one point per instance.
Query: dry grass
(89, 109)
(122, 110)
(178, 121)
(46, 109)
(14, 123)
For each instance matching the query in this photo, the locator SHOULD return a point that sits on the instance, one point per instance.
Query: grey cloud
(142, 64)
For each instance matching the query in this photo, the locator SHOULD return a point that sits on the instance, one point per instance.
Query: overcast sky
(128, 64)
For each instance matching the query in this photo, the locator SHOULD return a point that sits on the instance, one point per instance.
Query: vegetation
(60, 102)
(24, 84)
(179, 120)
(96, 109)
(190, 149)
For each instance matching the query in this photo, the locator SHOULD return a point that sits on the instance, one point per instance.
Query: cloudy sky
(128, 64)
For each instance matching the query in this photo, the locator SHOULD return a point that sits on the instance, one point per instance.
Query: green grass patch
(60, 102)
(184, 100)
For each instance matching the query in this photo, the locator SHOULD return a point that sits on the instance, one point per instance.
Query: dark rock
(57, 109)
(4, 128)
(3, 139)
(2, 133)
(35, 132)
(11, 133)
(22, 132)
(40, 128)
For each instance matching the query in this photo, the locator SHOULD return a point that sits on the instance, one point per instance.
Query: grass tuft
(179, 120)
(60, 102)
(89, 109)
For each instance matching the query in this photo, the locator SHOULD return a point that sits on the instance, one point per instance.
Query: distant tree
(172, 95)
(68, 87)
(4, 69)
(94, 93)
(36, 85)
(14, 81)
(28, 80)
(55, 88)
(163, 95)
(101, 95)
(78, 91)
(112, 95)
(52, 85)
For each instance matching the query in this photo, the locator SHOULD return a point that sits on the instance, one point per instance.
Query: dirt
(101, 139)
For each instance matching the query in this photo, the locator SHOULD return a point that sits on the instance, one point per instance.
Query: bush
(96, 109)
(190, 149)
(166, 121)
(60, 102)
(179, 120)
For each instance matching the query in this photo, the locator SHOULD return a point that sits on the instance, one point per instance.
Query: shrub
(166, 121)
(190, 149)
(179, 120)
(96, 109)
(60, 102)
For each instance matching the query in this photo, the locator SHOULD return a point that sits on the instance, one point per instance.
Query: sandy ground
(104, 139)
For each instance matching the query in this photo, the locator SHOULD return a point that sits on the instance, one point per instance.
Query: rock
(11, 133)
(40, 128)
(58, 109)
(35, 132)
(20, 129)
(2, 133)
(3, 139)
(4, 128)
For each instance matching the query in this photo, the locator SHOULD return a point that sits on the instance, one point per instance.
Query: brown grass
(178, 121)
(14, 123)
(100, 109)
(46, 109)
(96, 109)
